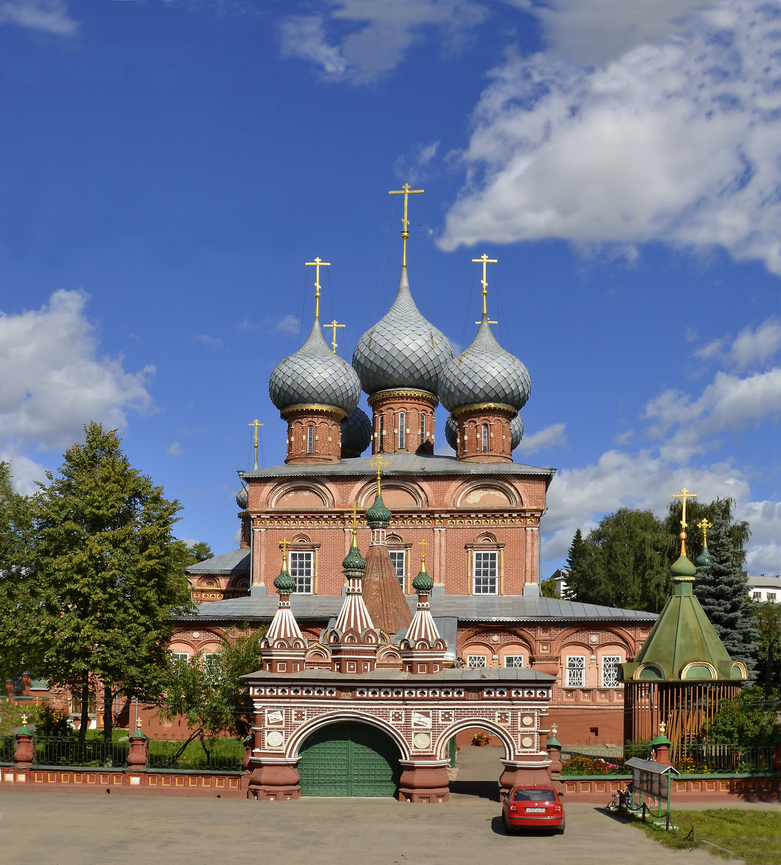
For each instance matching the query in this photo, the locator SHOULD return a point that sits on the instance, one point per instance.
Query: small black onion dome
(354, 561)
(484, 373)
(516, 432)
(356, 432)
(242, 499)
(451, 432)
(402, 350)
(423, 584)
(284, 583)
(314, 375)
(378, 516)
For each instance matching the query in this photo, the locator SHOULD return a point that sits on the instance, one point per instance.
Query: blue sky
(168, 166)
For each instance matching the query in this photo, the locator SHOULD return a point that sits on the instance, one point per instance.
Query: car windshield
(535, 795)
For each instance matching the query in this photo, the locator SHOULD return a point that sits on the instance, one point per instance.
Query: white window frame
(180, 656)
(310, 439)
(514, 661)
(609, 671)
(757, 596)
(402, 419)
(575, 671)
(484, 437)
(771, 596)
(381, 434)
(476, 662)
(206, 660)
(422, 428)
(399, 560)
(485, 572)
(301, 567)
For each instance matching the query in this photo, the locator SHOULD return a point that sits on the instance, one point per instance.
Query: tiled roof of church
(467, 608)
(234, 562)
(399, 464)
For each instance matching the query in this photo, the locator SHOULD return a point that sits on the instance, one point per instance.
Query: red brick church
(474, 517)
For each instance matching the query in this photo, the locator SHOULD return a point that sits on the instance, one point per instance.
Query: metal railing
(66, 751)
(7, 748)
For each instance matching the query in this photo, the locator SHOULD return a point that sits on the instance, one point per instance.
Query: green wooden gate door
(349, 759)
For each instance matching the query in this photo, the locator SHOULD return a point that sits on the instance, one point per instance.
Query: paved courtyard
(94, 829)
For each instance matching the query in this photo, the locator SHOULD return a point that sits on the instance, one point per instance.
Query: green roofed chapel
(683, 671)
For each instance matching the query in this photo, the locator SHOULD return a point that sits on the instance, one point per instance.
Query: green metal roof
(683, 645)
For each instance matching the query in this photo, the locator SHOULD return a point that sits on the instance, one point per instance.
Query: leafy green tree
(738, 530)
(107, 575)
(748, 719)
(624, 562)
(15, 602)
(209, 691)
(722, 590)
(200, 551)
(548, 588)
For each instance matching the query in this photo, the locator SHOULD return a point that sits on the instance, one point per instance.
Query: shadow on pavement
(483, 789)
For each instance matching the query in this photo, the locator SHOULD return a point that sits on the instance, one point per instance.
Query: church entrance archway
(349, 759)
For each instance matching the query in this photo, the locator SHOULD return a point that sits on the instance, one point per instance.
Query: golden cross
(24, 720)
(334, 325)
(284, 544)
(489, 322)
(256, 423)
(703, 525)
(486, 261)
(379, 463)
(684, 494)
(423, 544)
(317, 263)
(406, 191)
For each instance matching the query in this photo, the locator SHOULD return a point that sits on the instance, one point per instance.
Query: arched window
(484, 434)
(422, 428)
(380, 434)
(402, 430)
(310, 439)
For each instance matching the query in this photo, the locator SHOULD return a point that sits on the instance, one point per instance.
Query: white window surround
(475, 662)
(485, 572)
(514, 661)
(301, 568)
(575, 671)
(399, 559)
(609, 671)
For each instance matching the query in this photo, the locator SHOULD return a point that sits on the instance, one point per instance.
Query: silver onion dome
(356, 432)
(402, 350)
(516, 432)
(314, 375)
(484, 373)
(242, 499)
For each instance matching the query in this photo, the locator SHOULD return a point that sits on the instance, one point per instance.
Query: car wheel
(562, 827)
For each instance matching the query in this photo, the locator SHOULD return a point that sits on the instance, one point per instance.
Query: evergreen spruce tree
(108, 575)
(721, 588)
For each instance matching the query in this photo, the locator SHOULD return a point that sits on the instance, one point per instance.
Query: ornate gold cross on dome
(379, 463)
(317, 263)
(406, 191)
(284, 544)
(684, 494)
(423, 544)
(256, 423)
(486, 261)
(703, 525)
(334, 325)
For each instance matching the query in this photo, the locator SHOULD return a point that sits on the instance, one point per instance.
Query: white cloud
(593, 32)
(47, 16)
(551, 436)
(758, 345)
(210, 341)
(764, 548)
(372, 36)
(675, 141)
(289, 324)
(53, 381)
(174, 450)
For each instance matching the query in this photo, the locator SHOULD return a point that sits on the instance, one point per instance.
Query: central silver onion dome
(484, 373)
(402, 350)
(314, 375)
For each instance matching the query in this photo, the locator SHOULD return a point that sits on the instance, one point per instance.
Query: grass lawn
(751, 835)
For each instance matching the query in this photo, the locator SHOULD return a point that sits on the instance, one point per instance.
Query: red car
(533, 807)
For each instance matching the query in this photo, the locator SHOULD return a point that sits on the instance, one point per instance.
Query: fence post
(25, 747)
(138, 756)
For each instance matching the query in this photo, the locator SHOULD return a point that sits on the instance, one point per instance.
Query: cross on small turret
(334, 325)
(704, 526)
(379, 463)
(317, 263)
(256, 423)
(684, 494)
(486, 261)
